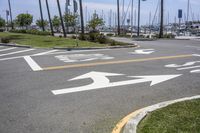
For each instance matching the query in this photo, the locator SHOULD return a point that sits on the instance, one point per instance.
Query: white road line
(11, 58)
(45, 53)
(34, 66)
(186, 68)
(17, 52)
(7, 49)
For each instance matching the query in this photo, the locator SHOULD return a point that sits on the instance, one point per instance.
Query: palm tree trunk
(61, 18)
(49, 15)
(162, 19)
(43, 29)
(81, 14)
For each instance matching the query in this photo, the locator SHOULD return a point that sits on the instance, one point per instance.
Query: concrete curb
(130, 122)
(93, 48)
(71, 49)
(14, 45)
(131, 126)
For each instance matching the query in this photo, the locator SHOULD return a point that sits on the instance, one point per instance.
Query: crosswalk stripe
(17, 52)
(6, 49)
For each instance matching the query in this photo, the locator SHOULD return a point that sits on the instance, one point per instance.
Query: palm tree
(161, 20)
(42, 20)
(61, 18)
(49, 15)
(81, 14)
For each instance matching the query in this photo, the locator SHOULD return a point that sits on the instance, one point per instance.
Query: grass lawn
(47, 41)
(181, 117)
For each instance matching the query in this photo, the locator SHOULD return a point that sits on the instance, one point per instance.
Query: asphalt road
(29, 76)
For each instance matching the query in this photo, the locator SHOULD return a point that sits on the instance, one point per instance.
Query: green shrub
(82, 37)
(1, 30)
(110, 34)
(93, 36)
(101, 38)
(73, 37)
(113, 43)
(5, 40)
(33, 32)
(169, 36)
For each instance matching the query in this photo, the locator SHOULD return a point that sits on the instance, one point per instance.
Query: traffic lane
(104, 56)
(171, 44)
(31, 103)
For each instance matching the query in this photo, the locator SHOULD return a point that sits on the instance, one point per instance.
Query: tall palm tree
(61, 18)
(41, 15)
(81, 14)
(49, 15)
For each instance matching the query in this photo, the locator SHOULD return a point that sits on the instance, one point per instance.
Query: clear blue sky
(171, 7)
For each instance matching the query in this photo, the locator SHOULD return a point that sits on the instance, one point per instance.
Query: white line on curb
(131, 126)
(16, 52)
(34, 66)
(6, 49)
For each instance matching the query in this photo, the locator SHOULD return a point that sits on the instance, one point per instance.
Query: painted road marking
(45, 53)
(100, 81)
(143, 51)
(1, 46)
(82, 57)
(34, 66)
(195, 71)
(22, 51)
(186, 68)
(7, 49)
(117, 62)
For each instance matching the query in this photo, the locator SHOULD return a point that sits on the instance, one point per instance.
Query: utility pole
(41, 15)
(61, 18)
(161, 19)
(49, 15)
(82, 19)
(10, 14)
(118, 17)
(138, 30)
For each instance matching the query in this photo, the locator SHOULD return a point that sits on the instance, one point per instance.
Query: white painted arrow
(143, 51)
(101, 81)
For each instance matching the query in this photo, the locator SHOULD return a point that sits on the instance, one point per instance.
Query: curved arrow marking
(100, 81)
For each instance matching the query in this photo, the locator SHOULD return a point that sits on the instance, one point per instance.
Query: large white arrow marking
(101, 81)
(143, 51)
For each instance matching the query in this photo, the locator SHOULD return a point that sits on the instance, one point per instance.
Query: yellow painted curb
(122, 123)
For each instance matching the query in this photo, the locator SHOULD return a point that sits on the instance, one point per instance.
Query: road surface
(59, 91)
